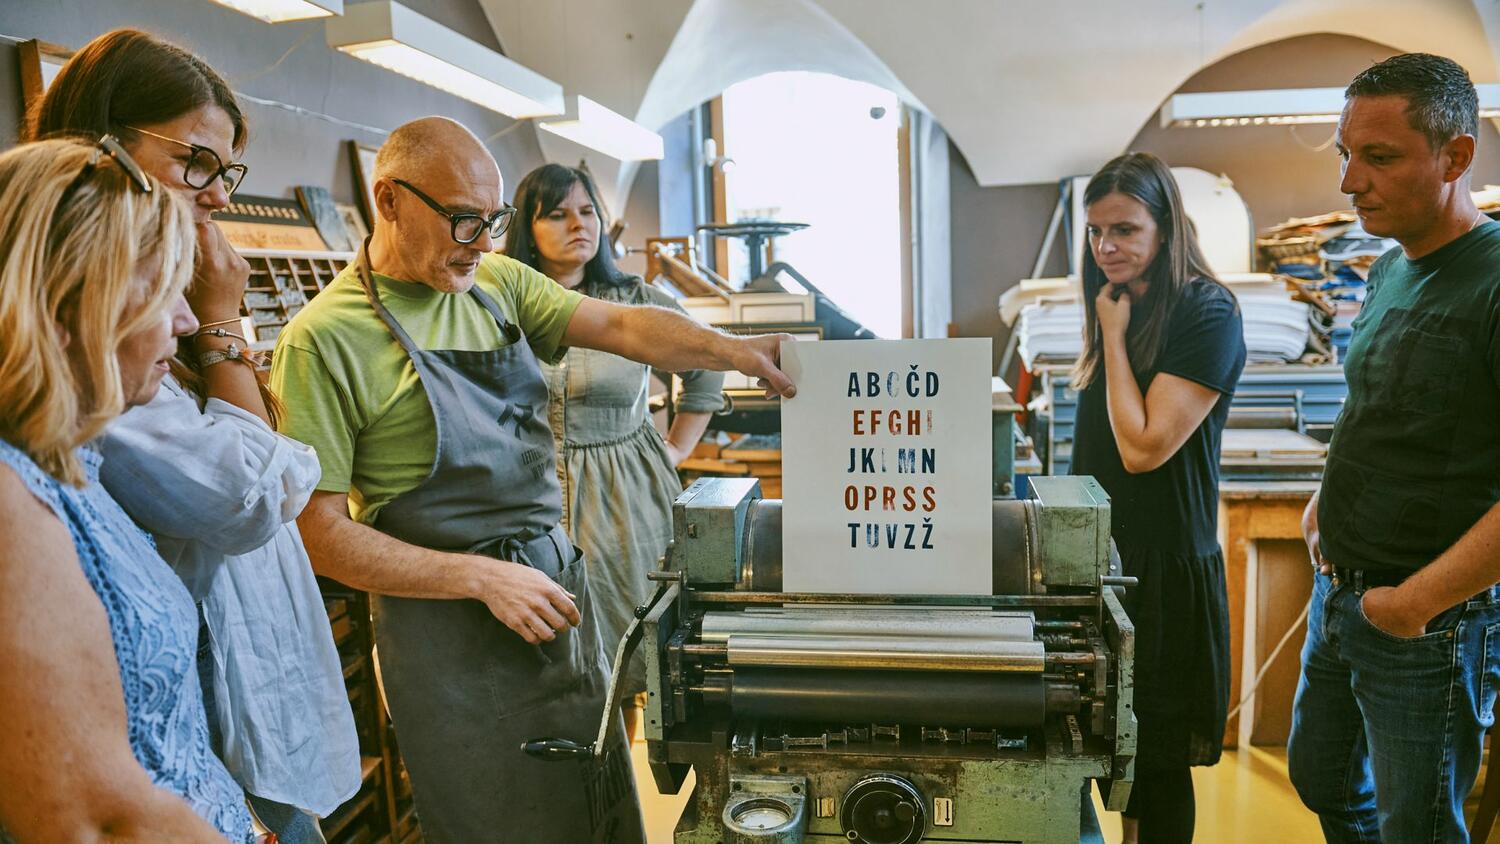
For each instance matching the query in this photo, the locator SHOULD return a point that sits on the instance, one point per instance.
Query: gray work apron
(464, 690)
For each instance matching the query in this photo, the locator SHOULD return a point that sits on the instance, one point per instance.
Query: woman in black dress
(1162, 350)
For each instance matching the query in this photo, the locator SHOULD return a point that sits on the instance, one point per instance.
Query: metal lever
(557, 749)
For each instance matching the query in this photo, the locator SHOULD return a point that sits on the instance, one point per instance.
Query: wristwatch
(234, 352)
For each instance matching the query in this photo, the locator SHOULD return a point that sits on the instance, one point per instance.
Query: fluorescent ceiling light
(398, 39)
(280, 11)
(1291, 106)
(588, 123)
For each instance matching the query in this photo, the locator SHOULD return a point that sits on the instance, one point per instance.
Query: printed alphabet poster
(886, 462)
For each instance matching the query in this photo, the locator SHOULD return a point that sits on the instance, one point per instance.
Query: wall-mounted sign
(886, 467)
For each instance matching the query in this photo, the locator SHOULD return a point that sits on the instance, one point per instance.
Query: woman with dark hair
(1162, 350)
(618, 475)
(200, 465)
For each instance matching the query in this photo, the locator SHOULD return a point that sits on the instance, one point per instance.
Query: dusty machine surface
(886, 719)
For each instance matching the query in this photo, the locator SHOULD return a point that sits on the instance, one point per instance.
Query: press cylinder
(1013, 540)
(901, 697)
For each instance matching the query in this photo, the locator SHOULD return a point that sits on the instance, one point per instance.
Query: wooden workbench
(1269, 579)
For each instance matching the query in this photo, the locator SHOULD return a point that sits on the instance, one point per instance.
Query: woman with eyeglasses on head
(201, 467)
(102, 731)
(1163, 348)
(618, 474)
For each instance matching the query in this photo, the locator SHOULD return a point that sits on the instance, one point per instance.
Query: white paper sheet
(886, 462)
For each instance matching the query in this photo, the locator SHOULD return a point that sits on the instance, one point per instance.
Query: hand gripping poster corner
(886, 467)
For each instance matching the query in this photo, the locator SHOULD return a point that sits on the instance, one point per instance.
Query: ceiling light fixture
(281, 11)
(1284, 107)
(592, 125)
(396, 38)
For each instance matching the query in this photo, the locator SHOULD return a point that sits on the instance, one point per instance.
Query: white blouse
(220, 491)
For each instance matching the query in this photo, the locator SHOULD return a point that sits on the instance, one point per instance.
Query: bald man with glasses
(415, 376)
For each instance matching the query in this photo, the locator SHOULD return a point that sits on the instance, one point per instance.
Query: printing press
(878, 718)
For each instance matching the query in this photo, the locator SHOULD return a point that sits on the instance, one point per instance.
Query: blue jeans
(1387, 731)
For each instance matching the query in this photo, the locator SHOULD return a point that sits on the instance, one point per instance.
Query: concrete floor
(1245, 799)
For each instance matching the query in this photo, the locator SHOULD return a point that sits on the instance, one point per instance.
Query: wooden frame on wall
(40, 61)
(362, 160)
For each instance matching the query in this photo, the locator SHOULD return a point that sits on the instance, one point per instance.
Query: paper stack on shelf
(1276, 326)
(1050, 331)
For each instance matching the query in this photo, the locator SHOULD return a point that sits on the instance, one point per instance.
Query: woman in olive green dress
(618, 474)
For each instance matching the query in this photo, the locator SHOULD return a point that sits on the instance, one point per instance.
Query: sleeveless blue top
(155, 630)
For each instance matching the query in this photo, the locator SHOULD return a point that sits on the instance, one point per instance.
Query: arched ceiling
(1029, 92)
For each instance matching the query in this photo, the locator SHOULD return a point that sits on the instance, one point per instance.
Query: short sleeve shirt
(1415, 456)
(352, 393)
(1174, 507)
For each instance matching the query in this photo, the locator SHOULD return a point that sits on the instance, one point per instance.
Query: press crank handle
(557, 749)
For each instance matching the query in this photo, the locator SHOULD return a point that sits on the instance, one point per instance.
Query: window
(823, 150)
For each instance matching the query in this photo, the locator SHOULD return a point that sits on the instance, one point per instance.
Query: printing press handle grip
(557, 749)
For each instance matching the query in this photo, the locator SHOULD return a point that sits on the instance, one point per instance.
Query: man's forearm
(668, 340)
(362, 557)
(1471, 565)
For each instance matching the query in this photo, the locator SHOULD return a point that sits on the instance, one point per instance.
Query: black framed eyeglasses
(466, 225)
(203, 165)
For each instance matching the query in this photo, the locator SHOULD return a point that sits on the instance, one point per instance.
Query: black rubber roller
(956, 699)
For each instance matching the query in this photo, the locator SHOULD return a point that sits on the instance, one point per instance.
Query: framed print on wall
(40, 62)
(362, 159)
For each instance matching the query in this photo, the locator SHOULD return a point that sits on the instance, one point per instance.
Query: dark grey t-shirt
(1415, 456)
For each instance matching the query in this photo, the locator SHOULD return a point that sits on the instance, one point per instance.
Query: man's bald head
(429, 173)
(429, 145)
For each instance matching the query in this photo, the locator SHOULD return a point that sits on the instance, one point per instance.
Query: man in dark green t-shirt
(1399, 672)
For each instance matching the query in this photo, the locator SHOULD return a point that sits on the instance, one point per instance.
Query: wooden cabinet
(381, 811)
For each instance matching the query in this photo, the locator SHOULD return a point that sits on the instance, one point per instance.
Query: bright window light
(594, 126)
(808, 148)
(394, 37)
(280, 11)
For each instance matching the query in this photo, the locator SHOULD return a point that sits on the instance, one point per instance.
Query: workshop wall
(286, 148)
(1278, 170)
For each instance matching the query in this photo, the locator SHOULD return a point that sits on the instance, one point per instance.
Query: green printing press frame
(885, 719)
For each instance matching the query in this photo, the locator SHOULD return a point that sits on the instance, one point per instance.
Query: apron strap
(362, 269)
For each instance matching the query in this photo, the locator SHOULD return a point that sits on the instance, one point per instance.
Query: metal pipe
(1070, 659)
(718, 626)
(886, 653)
(1016, 601)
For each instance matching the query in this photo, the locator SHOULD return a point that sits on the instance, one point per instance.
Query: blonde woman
(102, 731)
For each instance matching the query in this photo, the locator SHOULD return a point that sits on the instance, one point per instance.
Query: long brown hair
(129, 78)
(1147, 179)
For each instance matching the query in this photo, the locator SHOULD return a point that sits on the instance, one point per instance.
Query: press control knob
(883, 809)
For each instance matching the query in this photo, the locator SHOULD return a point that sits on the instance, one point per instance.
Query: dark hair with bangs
(130, 78)
(537, 195)
(1441, 102)
(1146, 179)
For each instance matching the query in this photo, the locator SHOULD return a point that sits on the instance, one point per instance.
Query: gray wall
(286, 148)
(1278, 171)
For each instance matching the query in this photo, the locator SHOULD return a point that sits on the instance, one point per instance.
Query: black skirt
(1181, 615)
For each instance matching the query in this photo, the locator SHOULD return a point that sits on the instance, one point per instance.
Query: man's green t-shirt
(1415, 456)
(352, 393)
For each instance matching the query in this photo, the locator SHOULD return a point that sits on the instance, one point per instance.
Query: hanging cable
(1266, 666)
